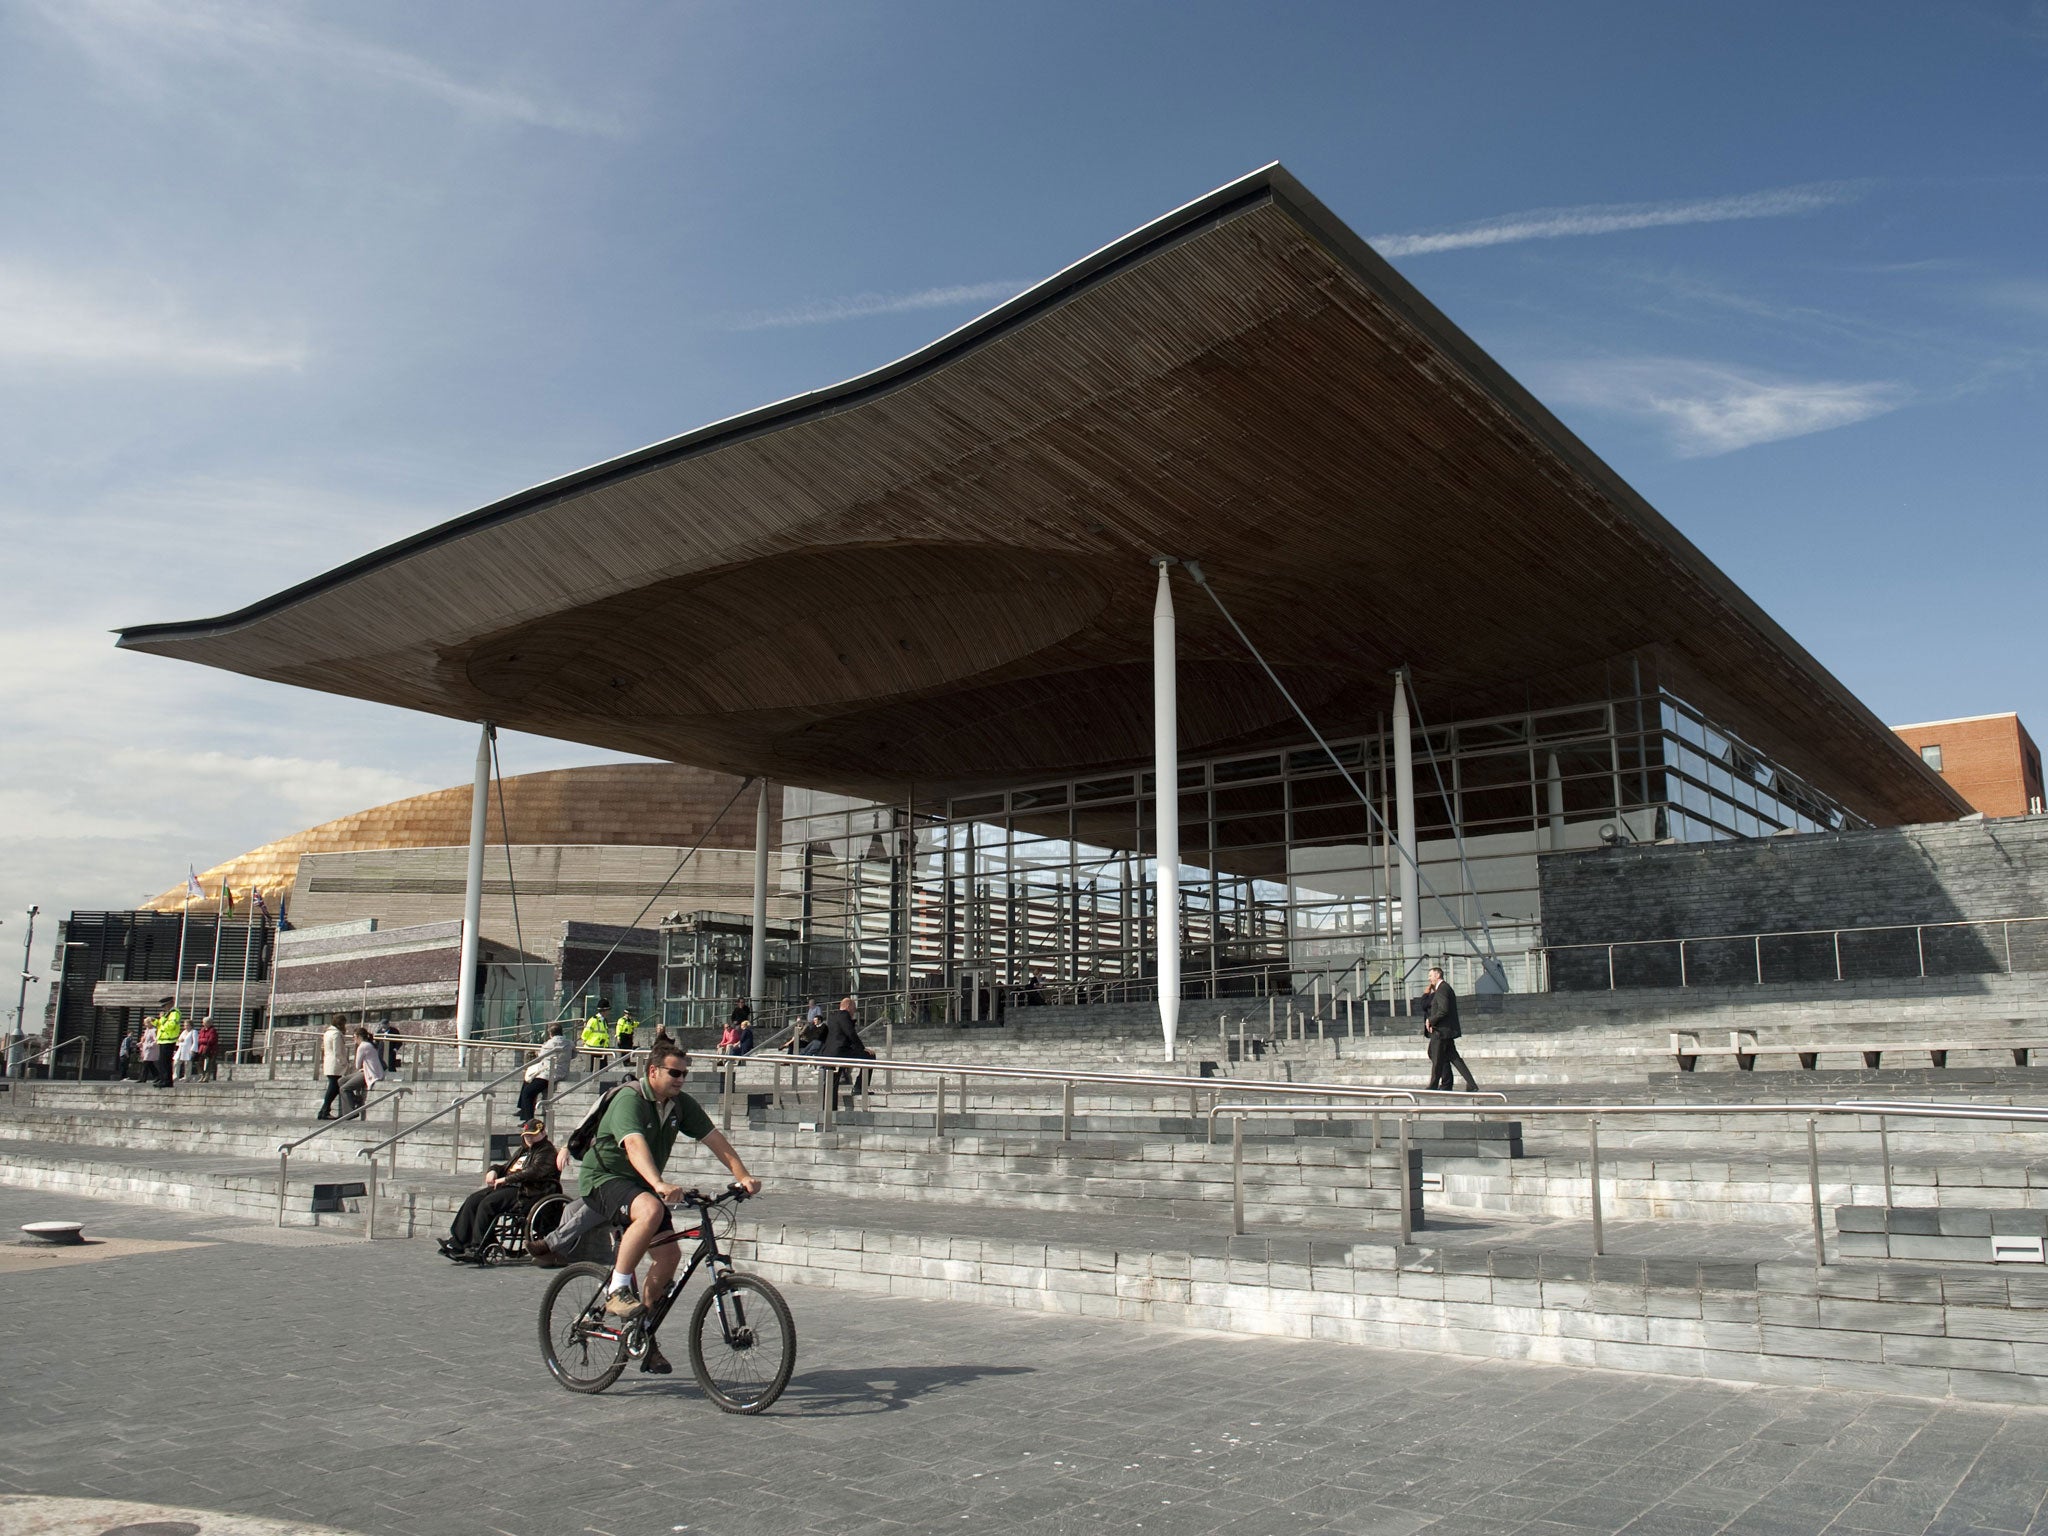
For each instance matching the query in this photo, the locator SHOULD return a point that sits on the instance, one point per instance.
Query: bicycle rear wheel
(742, 1343)
(582, 1351)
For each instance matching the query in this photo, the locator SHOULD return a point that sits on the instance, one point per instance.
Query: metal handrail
(455, 1142)
(1070, 1079)
(286, 1148)
(1883, 1110)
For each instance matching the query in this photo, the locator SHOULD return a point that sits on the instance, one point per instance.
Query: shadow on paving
(847, 1394)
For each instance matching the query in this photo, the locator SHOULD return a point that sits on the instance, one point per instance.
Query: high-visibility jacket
(169, 1027)
(622, 1030)
(597, 1035)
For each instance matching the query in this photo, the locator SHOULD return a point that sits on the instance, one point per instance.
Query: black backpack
(580, 1139)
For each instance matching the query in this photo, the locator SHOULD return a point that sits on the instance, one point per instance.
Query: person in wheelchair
(510, 1189)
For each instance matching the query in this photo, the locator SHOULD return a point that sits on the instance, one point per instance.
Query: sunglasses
(674, 1071)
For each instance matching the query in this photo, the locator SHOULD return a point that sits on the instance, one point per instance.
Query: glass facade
(1286, 872)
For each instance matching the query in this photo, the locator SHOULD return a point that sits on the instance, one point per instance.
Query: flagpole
(242, 1008)
(213, 971)
(178, 987)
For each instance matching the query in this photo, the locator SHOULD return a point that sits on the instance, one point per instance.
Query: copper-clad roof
(937, 572)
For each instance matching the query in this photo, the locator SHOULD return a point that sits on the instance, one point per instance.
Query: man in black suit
(1440, 1023)
(842, 1039)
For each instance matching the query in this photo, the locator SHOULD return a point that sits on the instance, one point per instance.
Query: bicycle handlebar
(698, 1200)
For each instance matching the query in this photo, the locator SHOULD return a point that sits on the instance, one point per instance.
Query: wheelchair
(515, 1229)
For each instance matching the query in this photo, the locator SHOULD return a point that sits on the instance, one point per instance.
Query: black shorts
(615, 1198)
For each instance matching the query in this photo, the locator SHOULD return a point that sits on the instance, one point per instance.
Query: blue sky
(282, 282)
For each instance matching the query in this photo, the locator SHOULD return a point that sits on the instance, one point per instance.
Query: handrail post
(370, 1224)
(284, 1157)
(1838, 954)
(487, 1097)
(1610, 967)
(939, 1115)
(1884, 1151)
(1237, 1175)
(1593, 1167)
(1820, 1252)
(1067, 1110)
(1681, 963)
(455, 1144)
(1759, 959)
(2006, 926)
(725, 1093)
(1920, 943)
(1407, 1188)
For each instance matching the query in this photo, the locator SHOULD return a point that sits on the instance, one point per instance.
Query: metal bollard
(1820, 1251)
(1407, 1187)
(1237, 1174)
(1593, 1165)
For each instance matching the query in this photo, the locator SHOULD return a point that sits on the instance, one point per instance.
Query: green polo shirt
(634, 1112)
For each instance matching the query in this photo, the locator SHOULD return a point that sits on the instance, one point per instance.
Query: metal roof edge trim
(1239, 196)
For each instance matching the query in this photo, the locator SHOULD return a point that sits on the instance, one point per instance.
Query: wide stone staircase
(1693, 1251)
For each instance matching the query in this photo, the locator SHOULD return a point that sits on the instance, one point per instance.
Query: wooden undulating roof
(938, 572)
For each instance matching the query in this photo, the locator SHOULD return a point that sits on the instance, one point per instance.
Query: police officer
(597, 1035)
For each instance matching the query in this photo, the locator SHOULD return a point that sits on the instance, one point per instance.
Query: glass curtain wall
(1044, 891)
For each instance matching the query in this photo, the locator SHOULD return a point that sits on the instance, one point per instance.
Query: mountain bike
(742, 1338)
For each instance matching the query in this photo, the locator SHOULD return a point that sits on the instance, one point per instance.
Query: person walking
(205, 1061)
(152, 1052)
(369, 1072)
(843, 1041)
(168, 1027)
(550, 1065)
(1440, 1024)
(124, 1055)
(333, 1063)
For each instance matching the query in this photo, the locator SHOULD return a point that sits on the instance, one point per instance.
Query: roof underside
(938, 573)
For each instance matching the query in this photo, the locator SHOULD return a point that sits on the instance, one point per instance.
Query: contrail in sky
(1608, 218)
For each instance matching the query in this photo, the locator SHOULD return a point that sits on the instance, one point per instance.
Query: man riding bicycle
(622, 1174)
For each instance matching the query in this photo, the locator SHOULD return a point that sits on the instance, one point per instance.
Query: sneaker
(624, 1306)
(655, 1363)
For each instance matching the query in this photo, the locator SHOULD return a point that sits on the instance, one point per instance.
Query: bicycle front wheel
(583, 1352)
(742, 1343)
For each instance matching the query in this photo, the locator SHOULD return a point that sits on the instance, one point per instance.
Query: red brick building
(1989, 760)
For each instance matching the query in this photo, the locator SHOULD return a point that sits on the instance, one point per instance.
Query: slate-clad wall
(1935, 873)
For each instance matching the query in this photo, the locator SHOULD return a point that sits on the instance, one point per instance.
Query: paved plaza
(302, 1377)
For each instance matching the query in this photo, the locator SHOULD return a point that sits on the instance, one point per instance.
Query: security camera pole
(21, 1002)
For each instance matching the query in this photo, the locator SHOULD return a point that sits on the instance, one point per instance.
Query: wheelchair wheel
(544, 1215)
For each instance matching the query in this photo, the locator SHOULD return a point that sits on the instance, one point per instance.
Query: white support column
(473, 889)
(1166, 808)
(1404, 824)
(757, 968)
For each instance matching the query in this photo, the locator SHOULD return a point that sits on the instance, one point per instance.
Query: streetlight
(14, 1067)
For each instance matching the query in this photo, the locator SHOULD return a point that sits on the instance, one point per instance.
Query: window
(1931, 755)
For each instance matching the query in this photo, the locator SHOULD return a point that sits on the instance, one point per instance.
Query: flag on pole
(227, 899)
(192, 885)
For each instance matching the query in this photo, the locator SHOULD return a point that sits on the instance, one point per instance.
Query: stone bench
(1956, 1234)
(1744, 1046)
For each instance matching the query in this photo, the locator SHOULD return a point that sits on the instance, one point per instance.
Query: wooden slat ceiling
(939, 573)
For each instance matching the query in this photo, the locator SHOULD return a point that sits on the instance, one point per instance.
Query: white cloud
(48, 320)
(1610, 218)
(1709, 408)
(155, 43)
(861, 306)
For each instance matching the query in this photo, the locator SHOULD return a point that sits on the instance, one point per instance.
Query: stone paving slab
(373, 1388)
